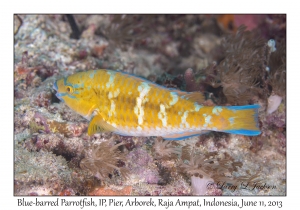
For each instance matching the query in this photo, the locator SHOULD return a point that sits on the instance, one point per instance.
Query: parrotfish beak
(58, 95)
(55, 86)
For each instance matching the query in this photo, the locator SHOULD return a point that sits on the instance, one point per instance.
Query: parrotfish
(114, 101)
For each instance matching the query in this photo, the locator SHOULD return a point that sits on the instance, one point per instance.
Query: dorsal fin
(98, 125)
(197, 97)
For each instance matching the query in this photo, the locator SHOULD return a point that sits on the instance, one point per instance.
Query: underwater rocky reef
(231, 59)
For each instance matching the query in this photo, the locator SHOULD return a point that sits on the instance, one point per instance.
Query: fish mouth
(55, 86)
(58, 95)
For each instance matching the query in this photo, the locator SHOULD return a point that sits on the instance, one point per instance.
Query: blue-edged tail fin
(244, 120)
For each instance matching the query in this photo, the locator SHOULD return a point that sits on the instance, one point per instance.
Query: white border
(154, 6)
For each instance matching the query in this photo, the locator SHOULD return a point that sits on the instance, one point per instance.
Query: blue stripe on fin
(243, 132)
(180, 138)
(254, 106)
(184, 135)
(121, 134)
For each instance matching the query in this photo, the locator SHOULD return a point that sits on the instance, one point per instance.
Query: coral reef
(213, 54)
(251, 70)
(33, 169)
(240, 73)
(139, 158)
(165, 149)
(104, 191)
(103, 159)
(277, 69)
(212, 167)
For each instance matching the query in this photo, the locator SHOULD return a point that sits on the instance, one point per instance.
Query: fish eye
(69, 89)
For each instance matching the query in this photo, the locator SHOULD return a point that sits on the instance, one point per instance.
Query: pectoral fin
(98, 125)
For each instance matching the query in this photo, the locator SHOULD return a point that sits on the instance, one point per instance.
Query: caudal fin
(244, 120)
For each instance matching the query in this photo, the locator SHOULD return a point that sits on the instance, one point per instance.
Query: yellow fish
(128, 105)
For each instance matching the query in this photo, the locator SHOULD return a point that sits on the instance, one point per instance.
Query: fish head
(75, 91)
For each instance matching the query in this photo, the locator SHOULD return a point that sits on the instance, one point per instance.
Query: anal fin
(98, 125)
(184, 135)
